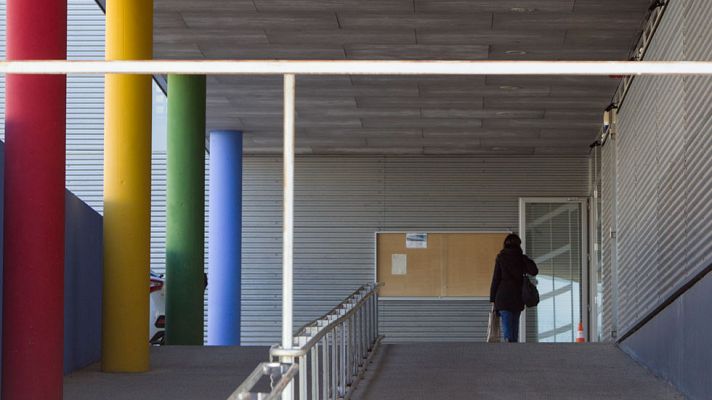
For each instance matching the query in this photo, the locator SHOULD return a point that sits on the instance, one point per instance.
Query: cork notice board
(446, 265)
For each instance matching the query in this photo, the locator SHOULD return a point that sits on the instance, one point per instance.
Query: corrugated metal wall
(664, 170)
(85, 123)
(341, 202)
(698, 142)
(85, 104)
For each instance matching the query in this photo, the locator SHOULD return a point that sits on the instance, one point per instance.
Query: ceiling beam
(358, 67)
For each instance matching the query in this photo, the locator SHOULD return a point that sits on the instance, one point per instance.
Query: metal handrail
(282, 373)
(302, 330)
(277, 351)
(330, 353)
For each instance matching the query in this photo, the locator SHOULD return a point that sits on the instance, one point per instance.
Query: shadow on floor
(508, 371)
(177, 372)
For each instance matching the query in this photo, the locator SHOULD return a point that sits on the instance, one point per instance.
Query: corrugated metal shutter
(453, 193)
(338, 207)
(664, 183)
(158, 212)
(698, 143)
(667, 186)
(341, 202)
(207, 249)
(427, 320)
(85, 105)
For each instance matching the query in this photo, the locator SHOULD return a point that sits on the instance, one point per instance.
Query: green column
(185, 210)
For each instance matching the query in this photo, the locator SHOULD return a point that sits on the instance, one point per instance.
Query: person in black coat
(506, 290)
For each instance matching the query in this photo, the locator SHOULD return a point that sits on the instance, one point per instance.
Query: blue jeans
(510, 325)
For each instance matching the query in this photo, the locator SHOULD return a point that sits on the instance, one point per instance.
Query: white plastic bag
(494, 332)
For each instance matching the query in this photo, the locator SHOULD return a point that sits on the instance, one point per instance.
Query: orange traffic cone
(579, 335)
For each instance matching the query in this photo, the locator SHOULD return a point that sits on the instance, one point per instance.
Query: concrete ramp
(508, 371)
(177, 373)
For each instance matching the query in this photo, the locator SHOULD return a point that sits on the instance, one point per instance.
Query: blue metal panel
(675, 344)
(225, 238)
(83, 265)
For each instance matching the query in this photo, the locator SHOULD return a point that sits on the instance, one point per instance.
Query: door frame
(585, 267)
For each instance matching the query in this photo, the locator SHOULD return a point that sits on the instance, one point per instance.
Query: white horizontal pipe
(357, 67)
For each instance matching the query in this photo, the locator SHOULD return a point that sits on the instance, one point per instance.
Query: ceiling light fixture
(506, 87)
(516, 52)
(523, 10)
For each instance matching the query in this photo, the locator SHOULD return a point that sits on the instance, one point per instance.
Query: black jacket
(509, 269)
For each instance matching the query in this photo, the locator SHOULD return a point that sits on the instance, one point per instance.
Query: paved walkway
(508, 371)
(177, 373)
(399, 372)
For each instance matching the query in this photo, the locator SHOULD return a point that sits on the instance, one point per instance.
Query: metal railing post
(374, 317)
(314, 357)
(362, 331)
(334, 361)
(347, 348)
(342, 361)
(368, 312)
(352, 346)
(303, 377)
(325, 368)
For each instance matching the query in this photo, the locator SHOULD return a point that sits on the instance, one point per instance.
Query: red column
(33, 293)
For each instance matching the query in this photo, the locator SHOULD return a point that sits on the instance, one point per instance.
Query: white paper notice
(416, 240)
(399, 264)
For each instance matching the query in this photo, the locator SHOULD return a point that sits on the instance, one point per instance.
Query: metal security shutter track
(607, 198)
(341, 202)
(664, 164)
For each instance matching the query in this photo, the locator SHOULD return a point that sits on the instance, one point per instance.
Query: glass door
(553, 234)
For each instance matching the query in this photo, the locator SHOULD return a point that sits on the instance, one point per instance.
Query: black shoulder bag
(530, 294)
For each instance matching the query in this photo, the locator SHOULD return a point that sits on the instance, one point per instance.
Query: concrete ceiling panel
(406, 115)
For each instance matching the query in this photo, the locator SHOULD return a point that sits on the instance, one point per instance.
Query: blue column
(225, 241)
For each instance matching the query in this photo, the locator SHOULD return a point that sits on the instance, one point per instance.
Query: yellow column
(127, 190)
